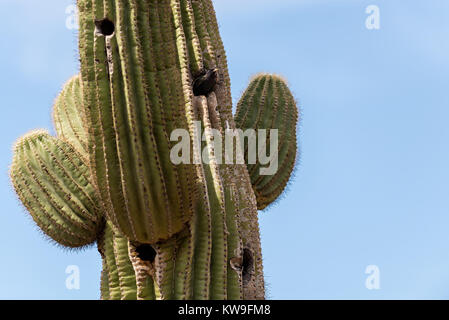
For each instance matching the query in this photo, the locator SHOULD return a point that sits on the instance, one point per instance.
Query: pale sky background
(372, 184)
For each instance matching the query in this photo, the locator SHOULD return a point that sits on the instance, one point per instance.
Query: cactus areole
(164, 230)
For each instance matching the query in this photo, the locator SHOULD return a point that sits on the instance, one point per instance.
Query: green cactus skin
(69, 116)
(118, 280)
(164, 231)
(136, 87)
(52, 181)
(269, 104)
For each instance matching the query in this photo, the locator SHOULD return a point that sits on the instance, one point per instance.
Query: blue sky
(371, 186)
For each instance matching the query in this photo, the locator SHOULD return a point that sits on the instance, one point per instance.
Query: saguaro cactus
(165, 230)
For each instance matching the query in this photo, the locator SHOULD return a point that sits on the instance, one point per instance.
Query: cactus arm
(284, 107)
(269, 104)
(118, 280)
(51, 179)
(69, 115)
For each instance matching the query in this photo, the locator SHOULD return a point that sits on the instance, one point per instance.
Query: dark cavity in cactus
(164, 231)
(146, 252)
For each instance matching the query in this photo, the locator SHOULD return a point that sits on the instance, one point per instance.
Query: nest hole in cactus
(247, 264)
(146, 252)
(104, 27)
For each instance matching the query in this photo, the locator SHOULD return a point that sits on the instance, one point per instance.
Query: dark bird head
(205, 83)
(212, 74)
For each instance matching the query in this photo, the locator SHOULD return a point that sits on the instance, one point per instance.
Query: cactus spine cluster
(164, 230)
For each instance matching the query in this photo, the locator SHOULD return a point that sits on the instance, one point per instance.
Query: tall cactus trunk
(138, 62)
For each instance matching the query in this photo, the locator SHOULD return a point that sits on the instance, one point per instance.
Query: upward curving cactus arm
(268, 104)
(52, 181)
(69, 116)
